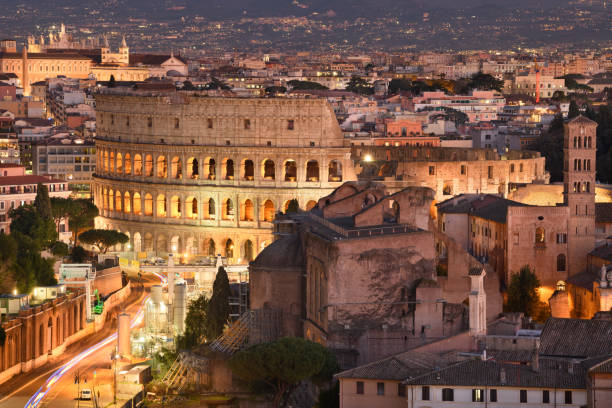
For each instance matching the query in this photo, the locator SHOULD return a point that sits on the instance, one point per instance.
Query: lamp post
(114, 357)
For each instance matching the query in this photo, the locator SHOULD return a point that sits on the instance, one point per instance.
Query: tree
(42, 202)
(218, 308)
(293, 206)
(550, 145)
(78, 254)
(80, 214)
(111, 82)
(359, 86)
(217, 84)
(103, 239)
(573, 110)
(273, 90)
(27, 221)
(282, 365)
(59, 248)
(485, 82)
(188, 86)
(8, 257)
(523, 292)
(31, 269)
(195, 327)
(305, 85)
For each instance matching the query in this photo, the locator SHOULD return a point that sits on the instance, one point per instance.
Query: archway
(229, 249)
(228, 210)
(210, 247)
(162, 167)
(192, 208)
(268, 211)
(128, 164)
(175, 244)
(248, 172)
(175, 207)
(228, 169)
(268, 170)
(312, 170)
(247, 251)
(137, 242)
(177, 168)
(246, 213)
(193, 169)
(162, 244)
(161, 206)
(310, 205)
(335, 171)
(148, 165)
(290, 170)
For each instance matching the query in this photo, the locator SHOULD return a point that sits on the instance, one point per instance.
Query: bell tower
(579, 151)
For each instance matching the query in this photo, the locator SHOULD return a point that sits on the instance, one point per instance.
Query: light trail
(37, 398)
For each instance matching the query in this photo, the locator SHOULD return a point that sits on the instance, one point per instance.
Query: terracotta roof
(29, 179)
(603, 212)
(152, 59)
(576, 338)
(398, 367)
(486, 206)
(478, 373)
(603, 252)
(283, 253)
(44, 55)
(582, 119)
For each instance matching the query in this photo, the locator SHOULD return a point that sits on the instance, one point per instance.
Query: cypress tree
(218, 308)
(42, 202)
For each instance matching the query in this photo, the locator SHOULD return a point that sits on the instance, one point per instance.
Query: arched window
(588, 186)
(118, 200)
(561, 263)
(193, 170)
(127, 205)
(228, 210)
(290, 170)
(161, 206)
(149, 165)
(248, 253)
(575, 142)
(111, 200)
(211, 209)
(210, 249)
(148, 204)
(312, 170)
(209, 168)
(177, 168)
(540, 235)
(112, 162)
(246, 213)
(128, 164)
(137, 165)
(268, 211)
(561, 286)
(137, 204)
(579, 141)
(392, 211)
(229, 249)
(119, 163)
(105, 199)
(175, 207)
(335, 171)
(192, 208)
(310, 205)
(248, 170)
(162, 167)
(268, 170)
(228, 169)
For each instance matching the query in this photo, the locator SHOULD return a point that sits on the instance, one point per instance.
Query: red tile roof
(30, 179)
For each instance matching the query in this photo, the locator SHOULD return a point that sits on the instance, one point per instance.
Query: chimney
(535, 361)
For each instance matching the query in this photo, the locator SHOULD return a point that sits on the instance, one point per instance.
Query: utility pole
(114, 357)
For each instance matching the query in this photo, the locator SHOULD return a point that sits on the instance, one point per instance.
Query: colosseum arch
(118, 201)
(229, 249)
(175, 207)
(148, 165)
(227, 210)
(127, 204)
(177, 168)
(127, 164)
(106, 161)
(148, 204)
(209, 209)
(391, 211)
(111, 200)
(176, 244)
(162, 167)
(111, 164)
(161, 244)
(119, 169)
(191, 207)
(334, 171)
(148, 242)
(267, 213)
(193, 169)
(248, 170)
(248, 253)
(247, 210)
(312, 170)
(161, 206)
(290, 170)
(105, 198)
(209, 247)
(137, 204)
(138, 165)
(137, 242)
(227, 169)
(310, 205)
(209, 168)
(268, 170)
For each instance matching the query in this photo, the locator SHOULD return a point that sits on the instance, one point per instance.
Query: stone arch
(127, 166)
(175, 207)
(268, 169)
(229, 249)
(137, 207)
(191, 207)
(41, 339)
(106, 161)
(248, 253)
(228, 169)
(148, 165)
(267, 213)
(193, 168)
(127, 204)
(227, 212)
(162, 167)
(137, 242)
(148, 242)
(161, 244)
(161, 206)
(310, 205)
(391, 211)
(138, 165)
(148, 204)
(290, 170)
(118, 201)
(119, 167)
(177, 168)
(312, 170)
(111, 199)
(209, 169)
(248, 170)
(247, 210)
(111, 159)
(191, 247)
(105, 198)
(209, 247)
(175, 244)
(210, 209)
(334, 171)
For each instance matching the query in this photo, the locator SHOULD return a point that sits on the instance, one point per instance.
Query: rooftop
(576, 338)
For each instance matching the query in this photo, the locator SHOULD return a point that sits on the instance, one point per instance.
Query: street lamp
(114, 357)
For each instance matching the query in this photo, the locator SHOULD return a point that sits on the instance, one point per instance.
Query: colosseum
(204, 175)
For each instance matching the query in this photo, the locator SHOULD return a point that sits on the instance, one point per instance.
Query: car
(86, 394)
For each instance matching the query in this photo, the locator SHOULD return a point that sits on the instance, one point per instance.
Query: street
(53, 385)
